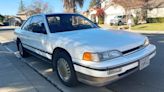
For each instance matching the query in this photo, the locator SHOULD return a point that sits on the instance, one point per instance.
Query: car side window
(54, 23)
(37, 25)
(26, 26)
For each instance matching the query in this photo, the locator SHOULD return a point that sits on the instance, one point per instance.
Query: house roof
(22, 13)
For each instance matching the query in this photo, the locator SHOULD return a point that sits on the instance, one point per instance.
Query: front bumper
(102, 81)
(100, 76)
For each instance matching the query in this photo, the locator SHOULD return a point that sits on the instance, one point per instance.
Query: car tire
(21, 50)
(63, 65)
(120, 23)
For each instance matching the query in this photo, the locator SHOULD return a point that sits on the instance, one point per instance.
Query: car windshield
(119, 16)
(68, 22)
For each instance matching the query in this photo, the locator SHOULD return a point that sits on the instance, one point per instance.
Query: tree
(100, 14)
(21, 7)
(38, 6)
(71, 5)
(144, 5)
(1, 18)
(149, 5)
(94, 3)
(128, 4)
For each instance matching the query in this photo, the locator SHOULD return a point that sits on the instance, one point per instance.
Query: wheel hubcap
(63, 69)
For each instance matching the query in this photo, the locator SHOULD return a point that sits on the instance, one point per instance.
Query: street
(150, 79)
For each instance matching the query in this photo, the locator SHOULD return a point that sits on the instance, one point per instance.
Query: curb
(6, 42)
(4, 29)
(8, 27)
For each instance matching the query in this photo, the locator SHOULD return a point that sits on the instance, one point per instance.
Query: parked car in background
(118, 20)
(81, 51)
(5, 23)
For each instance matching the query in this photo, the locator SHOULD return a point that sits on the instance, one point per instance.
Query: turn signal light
(87, 56)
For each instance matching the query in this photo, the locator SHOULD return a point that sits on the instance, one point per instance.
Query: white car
(81, 51)
(118, 20)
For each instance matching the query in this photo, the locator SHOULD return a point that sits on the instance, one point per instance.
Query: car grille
(132, 50)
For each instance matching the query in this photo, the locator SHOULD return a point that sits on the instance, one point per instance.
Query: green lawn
(151, 26)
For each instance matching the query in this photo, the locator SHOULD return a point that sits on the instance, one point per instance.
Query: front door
(37, 41)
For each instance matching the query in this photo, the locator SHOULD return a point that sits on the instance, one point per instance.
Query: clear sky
(10, 7)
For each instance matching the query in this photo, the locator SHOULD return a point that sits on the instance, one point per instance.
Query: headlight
(101, 56)
(146, 43)
(109, 55)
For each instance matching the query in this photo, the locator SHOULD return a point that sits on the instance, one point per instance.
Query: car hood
(99, 39)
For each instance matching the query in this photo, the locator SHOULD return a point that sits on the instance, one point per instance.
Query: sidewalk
(8, 27)
(16, 76)
(6, 36)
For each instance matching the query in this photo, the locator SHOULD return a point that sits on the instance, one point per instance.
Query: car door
(24, 33)
(37, 41)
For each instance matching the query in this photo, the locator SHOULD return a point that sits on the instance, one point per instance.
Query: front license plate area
(143, 63)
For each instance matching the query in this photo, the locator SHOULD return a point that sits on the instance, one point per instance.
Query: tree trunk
(73, 6)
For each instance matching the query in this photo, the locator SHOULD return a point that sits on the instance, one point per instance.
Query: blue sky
(10, 7)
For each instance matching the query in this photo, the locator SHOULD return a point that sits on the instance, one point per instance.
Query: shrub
(155, 20)
(101, 20)
(161, 20)
(135, 19)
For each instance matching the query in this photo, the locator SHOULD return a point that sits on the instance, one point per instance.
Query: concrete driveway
(150, 79)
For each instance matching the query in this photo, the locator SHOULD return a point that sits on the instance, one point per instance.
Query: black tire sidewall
(120, 23)
(24, 53)
(73, 79)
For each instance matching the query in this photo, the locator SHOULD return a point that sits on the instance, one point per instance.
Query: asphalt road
(150, 79)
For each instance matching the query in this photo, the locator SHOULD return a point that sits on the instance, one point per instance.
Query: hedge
(1, 18)
(155, 20)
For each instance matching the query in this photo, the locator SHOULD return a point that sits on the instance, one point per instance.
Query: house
(12, 21)
(15, 20)
(23, 15)
(156, 12)
(111, 9)
(156, 9)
